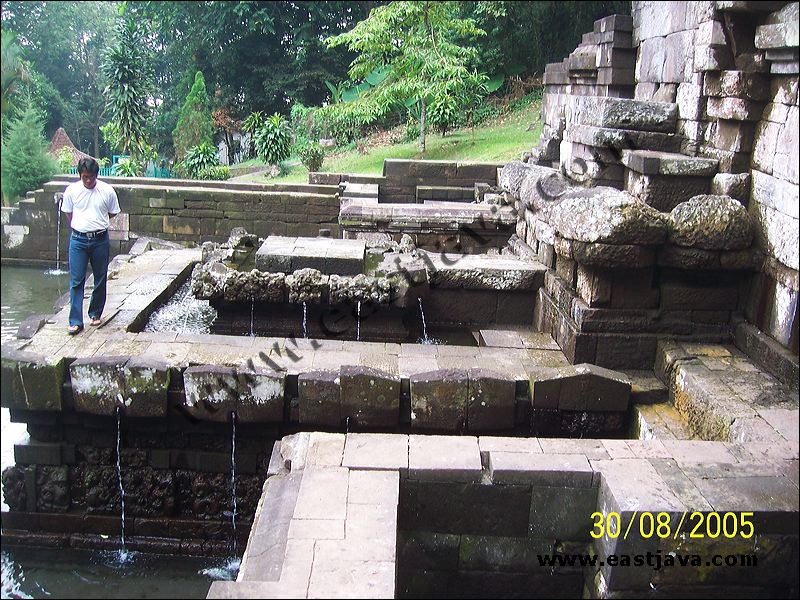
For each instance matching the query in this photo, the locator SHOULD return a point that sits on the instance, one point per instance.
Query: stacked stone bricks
(601, 65)
(725, 77)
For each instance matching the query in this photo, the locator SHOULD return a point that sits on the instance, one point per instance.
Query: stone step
(659, 422)
(481, 271)
(724, 396)
(652, 162)
(360, 190)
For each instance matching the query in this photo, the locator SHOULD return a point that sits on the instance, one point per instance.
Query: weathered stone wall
(409, 181)
(404, 176)
(715, 112)
(64, 488)
(732, 69)
(180, 210)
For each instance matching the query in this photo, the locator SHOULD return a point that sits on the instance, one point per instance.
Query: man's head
(88, 170)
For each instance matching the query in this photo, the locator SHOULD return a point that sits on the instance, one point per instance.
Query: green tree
(26, 164)
(14, 72)
(259, 55)
(421, 46)
(195, 125)
(128, 69)
(522, 37)
(64, 43)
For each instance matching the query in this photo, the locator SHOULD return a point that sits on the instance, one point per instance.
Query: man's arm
(69, 218)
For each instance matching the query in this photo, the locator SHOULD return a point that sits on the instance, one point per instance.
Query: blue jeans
(82, 251)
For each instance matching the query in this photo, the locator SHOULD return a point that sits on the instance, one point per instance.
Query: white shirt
(90, 207)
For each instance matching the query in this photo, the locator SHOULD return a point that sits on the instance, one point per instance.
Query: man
(89, 205)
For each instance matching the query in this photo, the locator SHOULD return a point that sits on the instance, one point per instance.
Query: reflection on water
(25, 291)
(41, 572)
(28, 291)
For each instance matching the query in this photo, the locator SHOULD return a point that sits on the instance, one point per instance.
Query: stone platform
(329, 256)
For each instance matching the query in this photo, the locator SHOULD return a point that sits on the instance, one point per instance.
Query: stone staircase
(721, 395)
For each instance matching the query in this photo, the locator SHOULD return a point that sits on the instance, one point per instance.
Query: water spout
(122, 555)
(252, 308)
(358, 322)
(305, 320)
(425, 339)
(233, 479)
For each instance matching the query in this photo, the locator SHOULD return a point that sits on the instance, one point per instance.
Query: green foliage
(336, 90)
(302, 119)
(26, 164)
(525, 101)
(128, 167)
(250, 125)
(312, 155)
(195, 125)
(45, 97)
(485, 112)
(216, 173)
(103, 162)
(422, 47)
(524, 36)
(274, 140)
(63, 43)
(444, 114)
(128, 69)
(254, 55)
(64, 159)
(197, 160)
(14, 72)
(412, 131)
(112, 136)
(348, 121)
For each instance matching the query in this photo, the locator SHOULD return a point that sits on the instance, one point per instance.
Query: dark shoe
(75, 329)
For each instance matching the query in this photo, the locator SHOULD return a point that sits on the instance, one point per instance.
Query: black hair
(88, 165)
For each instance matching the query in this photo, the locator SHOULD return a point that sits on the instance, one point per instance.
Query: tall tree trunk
(422, 127)
(96, 142)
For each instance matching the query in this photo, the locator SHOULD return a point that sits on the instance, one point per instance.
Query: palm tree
(14, 71)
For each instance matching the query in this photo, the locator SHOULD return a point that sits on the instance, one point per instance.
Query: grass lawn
(504, 139)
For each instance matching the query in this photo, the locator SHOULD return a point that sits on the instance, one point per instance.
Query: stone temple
(623, 380)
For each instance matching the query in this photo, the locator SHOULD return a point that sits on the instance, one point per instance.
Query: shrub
(485, 112)
(250, 125)
(65, 158)
(412, 132)
(26, 164)
(197, 159)
(443, 114)
(218, 173)
(128, 168)
(525, 101)
(312, 155)
(346, 121)
(274, 140)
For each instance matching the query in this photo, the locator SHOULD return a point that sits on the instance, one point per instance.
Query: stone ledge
(650, 162)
